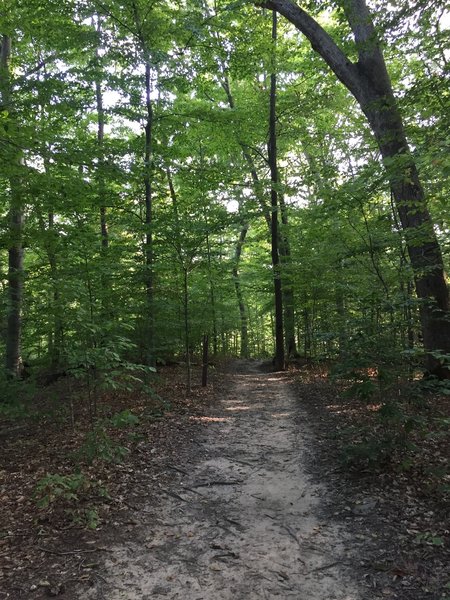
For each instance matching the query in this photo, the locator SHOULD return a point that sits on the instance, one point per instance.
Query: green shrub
(68, 492)
(85, 517)
(99, 446)
(60, 488)
(123, 419)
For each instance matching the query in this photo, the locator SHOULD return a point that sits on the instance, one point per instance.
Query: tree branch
(41, 64)
(321, 42)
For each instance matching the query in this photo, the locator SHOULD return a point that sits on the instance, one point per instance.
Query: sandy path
(242, 522)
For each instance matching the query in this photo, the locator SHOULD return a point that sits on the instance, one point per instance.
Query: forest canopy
(171, 170)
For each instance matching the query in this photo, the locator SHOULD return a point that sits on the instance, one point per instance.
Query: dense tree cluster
(164, 162)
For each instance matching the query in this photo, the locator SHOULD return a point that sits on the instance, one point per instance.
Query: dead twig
(291, 532)
(235, 523)
(68, 552)
(329, 566)
(189, 489)
(293, 535)
(177, 469)
(218, 482)
(173, 494)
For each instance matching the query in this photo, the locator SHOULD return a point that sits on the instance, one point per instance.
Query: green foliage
(125, 418)
(432, 385)
(369, 453)
(69, 492)
(106, 362)
(16, 397)
(55, 488)
(102, 308)
(85, 517)
(156, 409)
(363, 390)
(430, 539)
(98, 445)
(13, 409)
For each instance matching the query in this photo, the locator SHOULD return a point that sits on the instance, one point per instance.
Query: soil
(238, 493)
(242, 520)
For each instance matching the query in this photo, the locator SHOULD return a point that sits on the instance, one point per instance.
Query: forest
(191, 153)
(186, 182)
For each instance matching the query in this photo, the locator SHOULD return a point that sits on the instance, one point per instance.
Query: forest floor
(237, 493)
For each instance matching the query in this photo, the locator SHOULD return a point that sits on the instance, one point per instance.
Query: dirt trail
(243, 522)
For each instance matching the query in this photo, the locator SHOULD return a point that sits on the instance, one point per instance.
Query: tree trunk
(185, 269)
(15, 225)
(15, 288)
(149, 215)
(148, 202)
(286, 283)
(369, 82)
(212, 291)
(205, 361)
(101, 188)
(56, 331)
(187, 340)
(272, 152)
(100, 143)
(244, 353)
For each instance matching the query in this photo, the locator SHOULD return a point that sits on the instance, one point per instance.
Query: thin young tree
(15, 218)
(272, 152)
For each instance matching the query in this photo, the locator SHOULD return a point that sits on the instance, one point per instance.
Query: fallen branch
(218, 482)
(189, 489)
(235, 523)
(291, 532)
(173, 494)
(333, 564)
(174, 468)
(293, 535)
(68, 552)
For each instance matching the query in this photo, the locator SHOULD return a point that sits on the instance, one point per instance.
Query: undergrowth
(401, 426)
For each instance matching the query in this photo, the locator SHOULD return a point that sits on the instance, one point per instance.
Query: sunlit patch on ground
(341, 409)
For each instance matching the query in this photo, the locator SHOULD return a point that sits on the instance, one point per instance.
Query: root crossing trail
(243, 522)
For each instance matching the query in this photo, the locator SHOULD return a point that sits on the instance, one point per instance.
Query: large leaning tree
(368, 81)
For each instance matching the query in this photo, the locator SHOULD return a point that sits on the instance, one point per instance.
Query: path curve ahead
(243, 522)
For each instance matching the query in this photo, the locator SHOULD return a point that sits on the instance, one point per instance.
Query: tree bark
(149, 213)
(244, 351)
(56, 330)
(187, 339)
(286, 283)
(15, 224)
(205, 361)
(100, 144)
(212, 290)
(368, 80)
(15, 287)
(148, 202)
(101, 187)
(272, 152)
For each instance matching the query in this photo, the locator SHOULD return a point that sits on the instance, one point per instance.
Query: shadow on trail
(242, 522)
